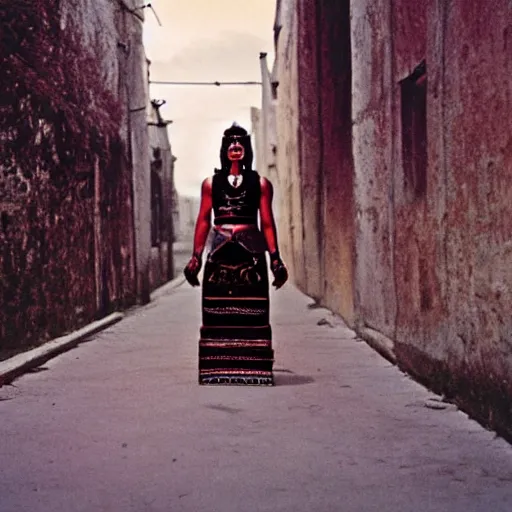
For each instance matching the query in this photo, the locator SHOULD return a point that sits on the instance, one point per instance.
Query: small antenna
(149, 6)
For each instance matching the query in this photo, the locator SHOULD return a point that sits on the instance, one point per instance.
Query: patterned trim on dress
(236, 379)
(237, 358)
(231, 310)
(237, 371)
(226, 343)
(236, 298)
(234, 376)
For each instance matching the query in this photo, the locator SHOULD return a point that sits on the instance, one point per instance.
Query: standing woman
(235, 345)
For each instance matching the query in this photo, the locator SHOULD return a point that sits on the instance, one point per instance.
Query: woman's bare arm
(268, 225)
(201, 233)
(203, 222)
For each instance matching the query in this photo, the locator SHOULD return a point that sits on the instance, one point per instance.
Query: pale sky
(206, 40)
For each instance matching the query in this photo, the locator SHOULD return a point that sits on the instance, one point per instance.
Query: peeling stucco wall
(290, 197)
(257, 137)
(111, 31)
(434, 269)
(337, 159)
(432, 263)
(66, 166)
(310, 149)
(373, 163)
(164, 207)
(460, 338)
(315, 165)
(267, 123)
(264, 134)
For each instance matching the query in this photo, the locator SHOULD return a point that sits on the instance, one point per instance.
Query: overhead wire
(216, 83)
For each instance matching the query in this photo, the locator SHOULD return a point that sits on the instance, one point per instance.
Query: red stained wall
(405, 157)
(325, 166)
(460, 338)
(66, 230)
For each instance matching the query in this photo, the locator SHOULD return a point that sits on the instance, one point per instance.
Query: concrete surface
(120, 424)
(15, 366)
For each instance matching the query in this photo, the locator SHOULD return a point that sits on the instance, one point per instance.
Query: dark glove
(279, 270)
(192, 270)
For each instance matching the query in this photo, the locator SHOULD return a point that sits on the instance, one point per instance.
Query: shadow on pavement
(288, 378)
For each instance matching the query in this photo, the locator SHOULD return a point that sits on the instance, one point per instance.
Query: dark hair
(236, 132)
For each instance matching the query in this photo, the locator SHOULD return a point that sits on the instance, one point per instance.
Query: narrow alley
(120, 424)
(357, 153)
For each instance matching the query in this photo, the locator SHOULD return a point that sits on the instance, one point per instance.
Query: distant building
(264, 131)
(164, 198)
(264, 123)
(188, 208)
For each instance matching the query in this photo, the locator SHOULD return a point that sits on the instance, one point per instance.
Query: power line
(216, 83)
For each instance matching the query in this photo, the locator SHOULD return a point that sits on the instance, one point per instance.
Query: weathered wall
(310, 148)
(434, 263)
(112, 33)
(337, 159)
(66, 237)
(431, 178)
(315, 165)
(419, 228)
(268, 135)
(137, 94)
(461, 340)
(290, 196)
(373, 163)
(257, 137)
(163, 223)
(265, 133)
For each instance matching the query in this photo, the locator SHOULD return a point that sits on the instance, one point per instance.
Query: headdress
(236, 133)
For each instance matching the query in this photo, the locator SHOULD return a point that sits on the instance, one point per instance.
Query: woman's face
(236, 151)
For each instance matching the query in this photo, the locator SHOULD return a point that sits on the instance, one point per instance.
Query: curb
(15, 366)
(380, 343)
(12, 368)
(167, 288)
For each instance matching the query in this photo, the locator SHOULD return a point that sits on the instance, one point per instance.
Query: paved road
(119, 424)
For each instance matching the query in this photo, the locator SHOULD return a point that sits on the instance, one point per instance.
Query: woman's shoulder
(253, 178)
(264, 181)
(266, 185)
(206, 185)
(253, 175)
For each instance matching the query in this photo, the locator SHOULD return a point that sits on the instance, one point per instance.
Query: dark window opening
(275, 85)
(156, 210)
(414, 132)
(277, 31)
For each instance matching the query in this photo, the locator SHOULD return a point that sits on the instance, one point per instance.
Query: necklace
(235, 180)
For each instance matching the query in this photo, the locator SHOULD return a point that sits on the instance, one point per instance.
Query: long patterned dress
(235, 345)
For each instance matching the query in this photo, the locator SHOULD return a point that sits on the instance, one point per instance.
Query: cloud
(231, 57)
